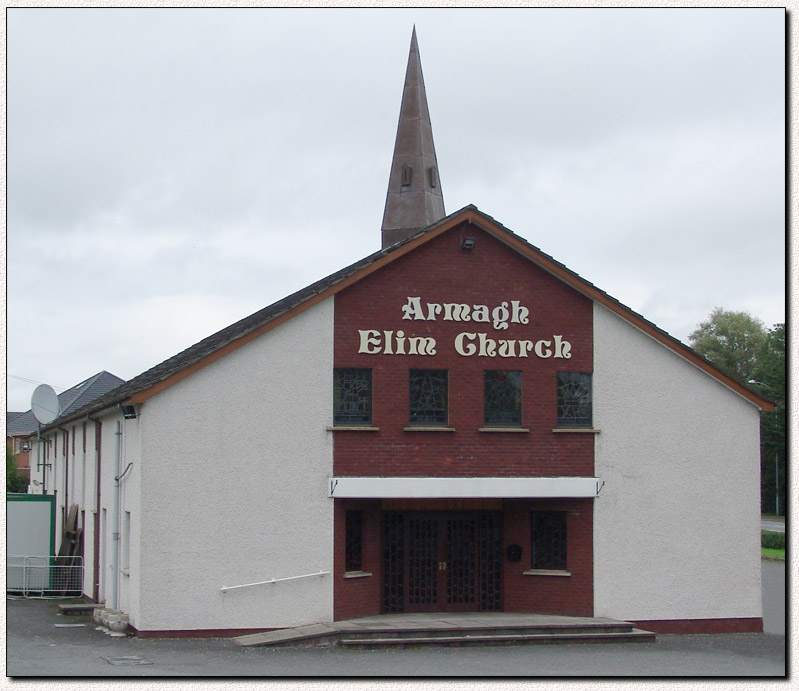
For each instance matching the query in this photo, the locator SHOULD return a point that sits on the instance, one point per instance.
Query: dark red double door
(441, 562)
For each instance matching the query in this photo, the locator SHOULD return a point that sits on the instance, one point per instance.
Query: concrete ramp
(452, 629)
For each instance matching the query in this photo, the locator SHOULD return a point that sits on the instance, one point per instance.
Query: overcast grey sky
(171, 171)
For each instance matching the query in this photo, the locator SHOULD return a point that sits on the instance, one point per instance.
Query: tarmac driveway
(776, 525)
(41, 642)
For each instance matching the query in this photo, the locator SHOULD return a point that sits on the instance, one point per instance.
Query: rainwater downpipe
(115, 511)
(39, 464)
(98, 438)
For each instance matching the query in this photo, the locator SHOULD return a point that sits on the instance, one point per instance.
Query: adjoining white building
(457, 422)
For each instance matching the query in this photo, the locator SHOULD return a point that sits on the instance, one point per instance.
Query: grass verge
(772, 554)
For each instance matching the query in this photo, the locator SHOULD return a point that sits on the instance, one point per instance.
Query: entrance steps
(445, 629)
(78, 608)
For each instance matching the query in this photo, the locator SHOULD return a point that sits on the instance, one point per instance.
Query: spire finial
(414, 200)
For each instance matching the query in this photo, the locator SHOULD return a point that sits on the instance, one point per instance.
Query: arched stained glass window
(574, 399)
(502, 398)
(428, 397)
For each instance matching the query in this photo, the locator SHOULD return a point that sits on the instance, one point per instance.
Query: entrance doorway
(441, 561)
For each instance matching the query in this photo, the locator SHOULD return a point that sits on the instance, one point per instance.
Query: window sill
(422, 428)
(546, 572)
(576, 430)
(503, 429)
(353, 428)
(357, 574)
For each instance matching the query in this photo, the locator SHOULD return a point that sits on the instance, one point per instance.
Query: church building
(457, 422)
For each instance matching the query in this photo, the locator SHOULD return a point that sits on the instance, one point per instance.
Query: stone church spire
(414, 199)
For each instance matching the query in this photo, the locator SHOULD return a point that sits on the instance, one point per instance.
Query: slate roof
(226, 336)
(78, 397)
(223, 341)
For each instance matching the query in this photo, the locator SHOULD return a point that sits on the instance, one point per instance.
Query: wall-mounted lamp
(468, 243)
(128, 412)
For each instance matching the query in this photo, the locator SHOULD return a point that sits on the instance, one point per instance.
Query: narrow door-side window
(354, 541)
(548, 540)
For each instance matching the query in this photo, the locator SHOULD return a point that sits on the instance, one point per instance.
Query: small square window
(574, 399)
(352, 396)
(126, 541)
(502, 398)
(428, 397)
(548, 540)
(354, 541)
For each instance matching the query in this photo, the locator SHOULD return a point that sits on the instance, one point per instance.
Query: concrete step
(78, 607)
(497, 630)
(634, 635)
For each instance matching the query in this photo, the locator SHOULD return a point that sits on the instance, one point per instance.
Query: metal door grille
(439, 561)
(490, 562)
(422, 560)
(393, 562)
(461, 560)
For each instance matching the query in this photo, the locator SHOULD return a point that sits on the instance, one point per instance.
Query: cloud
(171, 170)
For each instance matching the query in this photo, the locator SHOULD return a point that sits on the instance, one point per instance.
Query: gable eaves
(226, 341)
(589, 290)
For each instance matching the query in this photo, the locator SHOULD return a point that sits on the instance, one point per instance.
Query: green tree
(768, 377)
(730, 340)
(14, 482)
(741, 345)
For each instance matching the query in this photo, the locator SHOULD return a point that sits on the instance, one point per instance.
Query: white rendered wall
(129, 572)
(81, 482)
(127, 588)
(677, 523)
(51, 480)
(36, 485)
(90, 505)
(235, 465)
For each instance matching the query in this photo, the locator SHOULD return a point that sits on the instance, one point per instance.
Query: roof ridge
(68, 402)
(174, 368)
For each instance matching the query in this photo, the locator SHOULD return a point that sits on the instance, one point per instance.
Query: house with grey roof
(20, 426)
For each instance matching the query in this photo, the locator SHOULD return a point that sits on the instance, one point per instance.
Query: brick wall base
(731, 625)
(195, 633)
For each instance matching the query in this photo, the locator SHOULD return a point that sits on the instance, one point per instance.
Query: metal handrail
(225, 588)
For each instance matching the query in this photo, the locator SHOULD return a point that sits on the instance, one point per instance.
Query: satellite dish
(44, 404)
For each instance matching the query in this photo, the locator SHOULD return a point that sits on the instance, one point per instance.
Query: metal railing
(225, 588)
(41, 576)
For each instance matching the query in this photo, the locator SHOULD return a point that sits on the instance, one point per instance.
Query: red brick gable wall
(489, 274)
